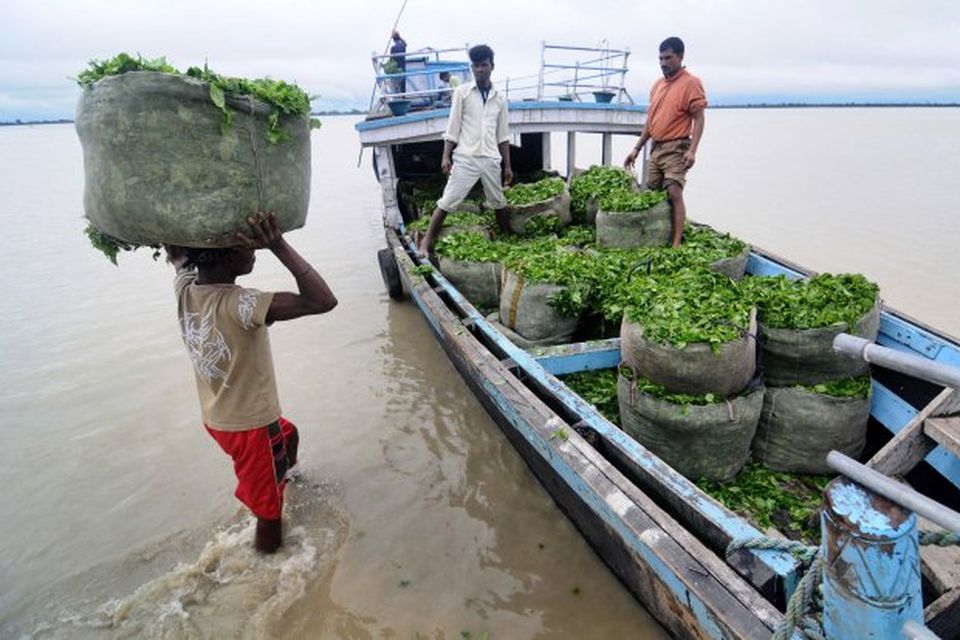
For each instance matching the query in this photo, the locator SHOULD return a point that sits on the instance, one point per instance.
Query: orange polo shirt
(673, 102)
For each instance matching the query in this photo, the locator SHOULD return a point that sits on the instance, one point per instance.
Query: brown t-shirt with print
(224, 329)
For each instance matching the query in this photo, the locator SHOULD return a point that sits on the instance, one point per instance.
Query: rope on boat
(805, 604)
(939, 538)
(802, 552)
(805, 608)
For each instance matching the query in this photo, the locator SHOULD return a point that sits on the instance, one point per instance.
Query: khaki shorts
(665, 166)
(465, 173)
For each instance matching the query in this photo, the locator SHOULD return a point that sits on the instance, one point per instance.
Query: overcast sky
(744, 50)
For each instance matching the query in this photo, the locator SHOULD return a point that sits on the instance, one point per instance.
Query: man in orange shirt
(675, 124)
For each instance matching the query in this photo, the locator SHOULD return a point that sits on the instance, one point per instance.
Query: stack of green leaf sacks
(789, 502)
(547, 198)
(687, 389)
(816, 400)
(185, 158)
(588, 187)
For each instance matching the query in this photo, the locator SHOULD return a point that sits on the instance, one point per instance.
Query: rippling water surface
(412, 514)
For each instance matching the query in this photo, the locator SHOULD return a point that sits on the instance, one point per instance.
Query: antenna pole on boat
(396, 22)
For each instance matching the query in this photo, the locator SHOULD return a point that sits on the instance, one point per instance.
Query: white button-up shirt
(475, 126)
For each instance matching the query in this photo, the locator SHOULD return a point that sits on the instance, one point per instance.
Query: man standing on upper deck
(675, 124)
(478, 130)
(398, 51)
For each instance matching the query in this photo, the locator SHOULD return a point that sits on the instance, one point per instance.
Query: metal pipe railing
(913, 630)
(895, 491)
(916, 366)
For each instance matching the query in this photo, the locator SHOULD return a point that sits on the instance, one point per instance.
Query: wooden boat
(657, 531)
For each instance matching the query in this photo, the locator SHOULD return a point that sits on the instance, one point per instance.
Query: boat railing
(417, 84)
(566, 73)
(569, 73)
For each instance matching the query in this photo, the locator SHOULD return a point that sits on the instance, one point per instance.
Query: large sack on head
(557, 207)
(806, 356)
(652, 227)
(525, 309)
(799, 427)
(710, 441)
(158, 168)
(696, 368)
(479, 282)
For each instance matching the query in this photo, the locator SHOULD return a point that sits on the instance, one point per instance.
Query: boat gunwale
(734, 585)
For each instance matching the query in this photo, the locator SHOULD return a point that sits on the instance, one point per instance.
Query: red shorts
(260, 462)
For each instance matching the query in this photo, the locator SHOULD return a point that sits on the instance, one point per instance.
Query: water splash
(229, 589)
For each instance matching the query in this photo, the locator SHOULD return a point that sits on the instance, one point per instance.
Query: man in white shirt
(474, 146)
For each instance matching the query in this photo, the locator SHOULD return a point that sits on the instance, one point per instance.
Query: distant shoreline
(834, 105)
(758, 105)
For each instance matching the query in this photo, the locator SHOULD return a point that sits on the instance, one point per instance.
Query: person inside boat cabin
(675, 125)
(476, 146)
(446, 85)
(224, 328)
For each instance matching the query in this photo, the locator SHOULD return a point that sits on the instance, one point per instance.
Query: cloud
(739, 47)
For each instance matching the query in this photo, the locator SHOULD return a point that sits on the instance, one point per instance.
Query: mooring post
(871, 570)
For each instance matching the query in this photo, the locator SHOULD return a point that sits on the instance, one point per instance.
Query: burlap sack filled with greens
(479, 282)
(472, 263)
(175, 159)
(538, 206)
(458, 222)
(799, 426)
(734, 267)
(627, 220)
(728, 255)
(588, 187)
(519, 340)
(699, 436)
(800, 318)
(528, 309)
(690, 331)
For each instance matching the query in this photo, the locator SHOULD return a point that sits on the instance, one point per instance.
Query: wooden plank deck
(944, 431)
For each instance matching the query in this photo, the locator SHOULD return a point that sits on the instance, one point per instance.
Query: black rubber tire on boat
(390, 273)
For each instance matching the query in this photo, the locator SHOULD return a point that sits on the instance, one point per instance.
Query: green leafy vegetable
(789, 502)
(682, 400)
(596, 183)
(846, 388)
(623, 201)
(545, 189)
(688, 306)
(599, 388)
(121, 63)
(456, 219)
(110, 246)
(284, 98)
(471, 247)
(542, 225)
(821, 301)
